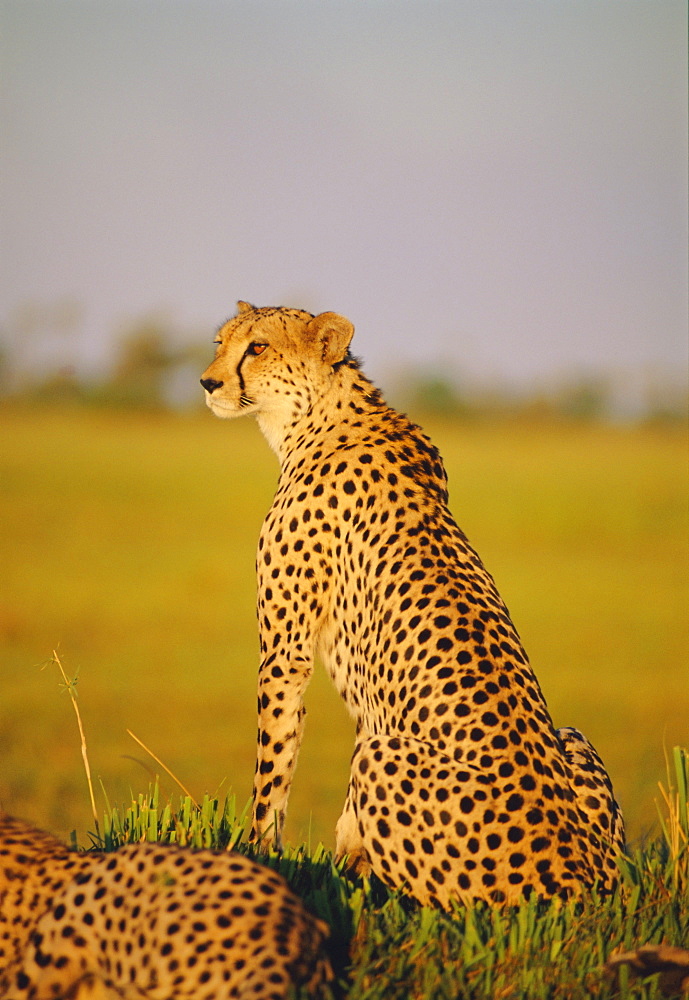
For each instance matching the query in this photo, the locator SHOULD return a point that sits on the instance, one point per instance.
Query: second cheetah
(148, 921)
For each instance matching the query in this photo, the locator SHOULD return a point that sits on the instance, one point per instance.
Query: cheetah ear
(243, 307)
(332, 334)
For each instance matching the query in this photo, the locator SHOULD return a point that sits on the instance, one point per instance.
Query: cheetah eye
(255, 349)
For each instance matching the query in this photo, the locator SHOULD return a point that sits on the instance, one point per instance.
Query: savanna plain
(128, 542)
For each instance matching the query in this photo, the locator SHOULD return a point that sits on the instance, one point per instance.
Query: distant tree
(143, 363)
(5, 367)
(434, 393)
(586, 398)
(39, 339)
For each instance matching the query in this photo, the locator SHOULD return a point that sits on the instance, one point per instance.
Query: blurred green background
(128, 543)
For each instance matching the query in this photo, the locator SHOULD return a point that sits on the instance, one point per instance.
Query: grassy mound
(383, 946)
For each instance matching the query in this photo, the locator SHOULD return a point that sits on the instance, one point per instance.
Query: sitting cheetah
(148, 921)
(460, 787)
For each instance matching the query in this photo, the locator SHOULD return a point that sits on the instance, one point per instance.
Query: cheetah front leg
(281, 714)
(348, 840)
(291, 615)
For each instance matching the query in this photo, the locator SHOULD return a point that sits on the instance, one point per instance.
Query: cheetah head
(274, 362)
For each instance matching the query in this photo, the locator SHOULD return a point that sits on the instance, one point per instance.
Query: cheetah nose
(210, 384)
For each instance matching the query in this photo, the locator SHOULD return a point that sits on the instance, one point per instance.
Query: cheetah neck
(347, 390)
(275, 427)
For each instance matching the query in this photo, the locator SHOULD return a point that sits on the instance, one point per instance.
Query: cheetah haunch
(460, 787)
(148, 921)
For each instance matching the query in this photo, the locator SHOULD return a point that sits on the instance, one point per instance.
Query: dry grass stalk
(166, 769)
(71, 688)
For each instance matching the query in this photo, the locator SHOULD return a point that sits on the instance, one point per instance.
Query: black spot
(540, 844)
(383, 828)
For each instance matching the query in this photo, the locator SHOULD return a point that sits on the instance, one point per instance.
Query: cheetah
(148, 921)
(460, 787)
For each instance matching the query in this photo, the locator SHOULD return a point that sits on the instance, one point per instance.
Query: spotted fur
(148, 922)
(460, 786)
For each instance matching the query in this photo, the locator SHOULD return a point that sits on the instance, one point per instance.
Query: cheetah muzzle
(460, 786)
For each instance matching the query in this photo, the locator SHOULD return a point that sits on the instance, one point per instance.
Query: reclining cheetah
(148, 921)
(460, 787)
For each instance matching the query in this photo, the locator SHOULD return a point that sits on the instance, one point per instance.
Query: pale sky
(495, 188)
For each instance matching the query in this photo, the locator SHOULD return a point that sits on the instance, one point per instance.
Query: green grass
(383, 946)
(127, 541)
